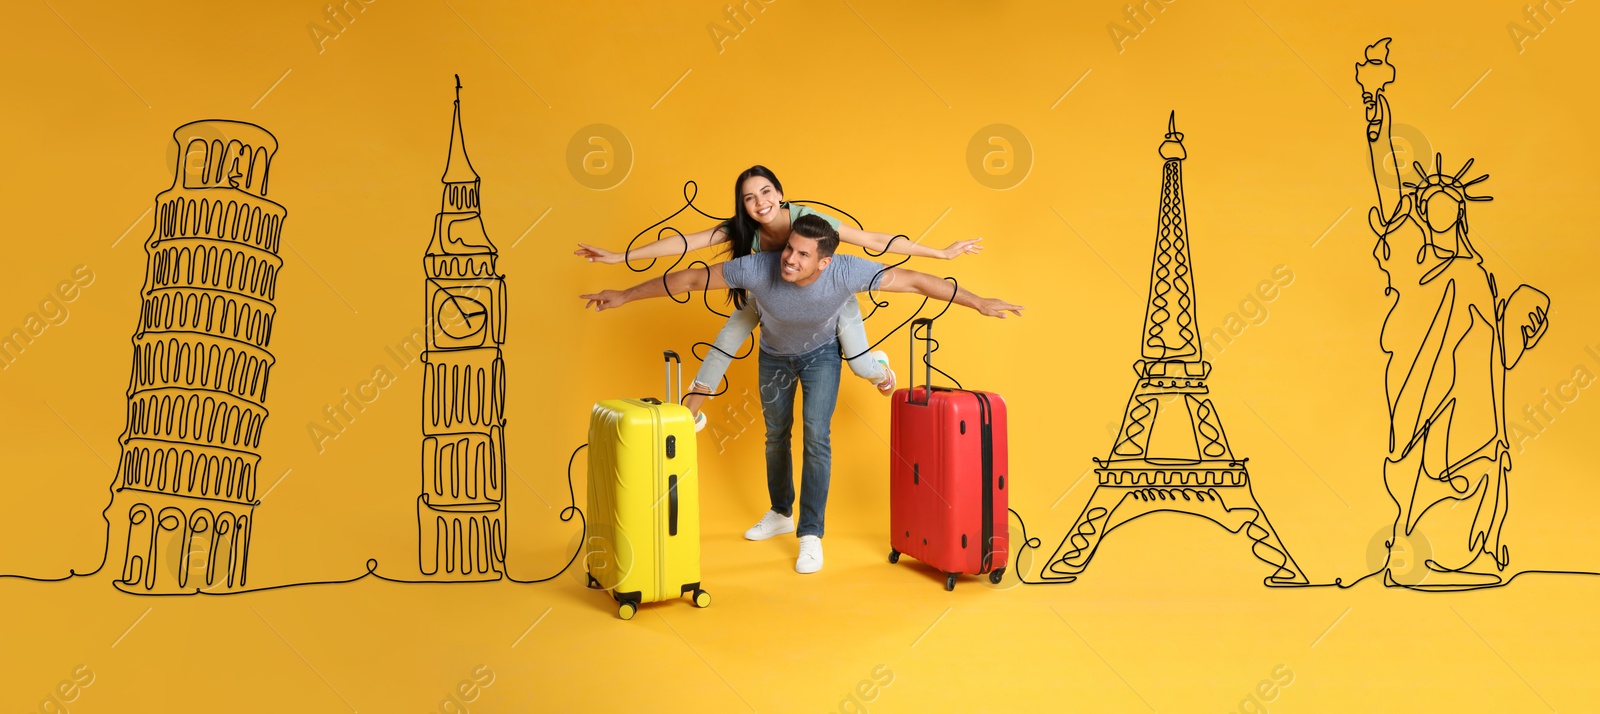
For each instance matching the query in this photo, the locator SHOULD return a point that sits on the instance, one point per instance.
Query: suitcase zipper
(986, 419)
(657, 420)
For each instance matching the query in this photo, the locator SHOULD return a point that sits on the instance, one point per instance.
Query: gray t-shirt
(795, 319)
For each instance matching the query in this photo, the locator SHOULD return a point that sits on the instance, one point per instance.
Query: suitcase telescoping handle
(672, 481)
(671, 357)
(927, 361)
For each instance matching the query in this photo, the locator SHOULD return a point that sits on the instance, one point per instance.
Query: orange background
(872, 107)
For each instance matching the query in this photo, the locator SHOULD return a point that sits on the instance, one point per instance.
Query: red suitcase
(947, 476)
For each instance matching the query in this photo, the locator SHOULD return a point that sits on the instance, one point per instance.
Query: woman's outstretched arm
(661, 248)
(876, 242)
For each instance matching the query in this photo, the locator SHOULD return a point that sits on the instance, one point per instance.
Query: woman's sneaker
(699, 422)
(770, 525)
(885, 387)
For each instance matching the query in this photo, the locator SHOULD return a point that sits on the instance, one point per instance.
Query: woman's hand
(962, 247)
(594, 254)
(995, 307)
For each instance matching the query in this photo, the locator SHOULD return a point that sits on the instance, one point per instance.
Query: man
(799, 293)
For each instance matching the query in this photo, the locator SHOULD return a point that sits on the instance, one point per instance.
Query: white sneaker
(810, 560)
(770, 525)
(885, 387)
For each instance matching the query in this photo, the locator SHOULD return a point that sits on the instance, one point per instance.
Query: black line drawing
(183, 498)
(461, 512)
(663, 230)
(1450, 338)
(196, 400)
(185, 492)
(1171, 453)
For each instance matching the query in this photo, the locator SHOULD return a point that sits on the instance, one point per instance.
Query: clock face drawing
(461, 317)
(465, 314)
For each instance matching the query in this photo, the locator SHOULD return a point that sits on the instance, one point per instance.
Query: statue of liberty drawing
(1450, 335)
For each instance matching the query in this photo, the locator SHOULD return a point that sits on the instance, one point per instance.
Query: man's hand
(605, 300)
(597, 255)
(960, 248)
(995, 307)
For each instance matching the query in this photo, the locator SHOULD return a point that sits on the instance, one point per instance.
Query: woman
(761, 223)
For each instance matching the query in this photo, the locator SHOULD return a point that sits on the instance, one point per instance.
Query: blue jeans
(816, 373)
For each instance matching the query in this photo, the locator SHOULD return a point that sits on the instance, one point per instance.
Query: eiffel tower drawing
(1171, 453)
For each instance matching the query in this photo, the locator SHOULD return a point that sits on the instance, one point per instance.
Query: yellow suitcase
(644, 503)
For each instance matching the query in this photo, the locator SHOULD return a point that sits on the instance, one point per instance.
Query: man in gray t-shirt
(796, 319)
(800, 292)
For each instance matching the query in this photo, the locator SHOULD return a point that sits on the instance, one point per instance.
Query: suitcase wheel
(949, 581)
(702, 598)
(894, 555)
(995, 576)
(626, 610)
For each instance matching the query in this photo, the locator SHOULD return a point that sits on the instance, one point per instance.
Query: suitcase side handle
(927, 361)
(672, 505)
(670, 357)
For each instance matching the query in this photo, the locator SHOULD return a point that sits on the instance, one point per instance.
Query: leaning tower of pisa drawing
(185, 490)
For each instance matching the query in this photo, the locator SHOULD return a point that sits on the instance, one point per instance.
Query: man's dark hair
(814, 227)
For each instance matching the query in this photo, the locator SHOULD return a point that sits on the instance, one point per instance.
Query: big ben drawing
(461, 513)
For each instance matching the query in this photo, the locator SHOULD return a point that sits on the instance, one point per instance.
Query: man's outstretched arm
(900, 280)
(679, 281)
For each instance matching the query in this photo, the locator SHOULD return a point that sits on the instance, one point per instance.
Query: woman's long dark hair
(742, 230)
